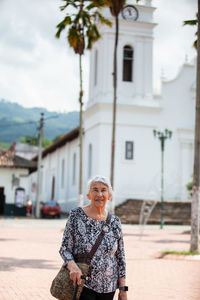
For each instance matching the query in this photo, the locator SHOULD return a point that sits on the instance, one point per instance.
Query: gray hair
(100, 178)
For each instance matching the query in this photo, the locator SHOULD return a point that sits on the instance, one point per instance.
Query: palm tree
(116, 7)
(81, 31)
(195, 216)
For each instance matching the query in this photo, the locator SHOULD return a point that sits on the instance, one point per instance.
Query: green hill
(17, 121)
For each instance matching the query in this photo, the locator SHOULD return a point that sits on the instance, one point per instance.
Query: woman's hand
(74, 272)
(122, 295)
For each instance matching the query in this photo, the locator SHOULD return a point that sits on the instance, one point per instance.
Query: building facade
(139, 112)
(14, 182)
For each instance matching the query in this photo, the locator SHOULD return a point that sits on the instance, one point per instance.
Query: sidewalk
(29, 260)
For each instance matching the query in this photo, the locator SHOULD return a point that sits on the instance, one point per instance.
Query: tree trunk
(114, 110)
(194, 245)
(80, 199)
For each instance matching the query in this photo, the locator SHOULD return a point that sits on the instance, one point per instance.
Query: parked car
(50, 209)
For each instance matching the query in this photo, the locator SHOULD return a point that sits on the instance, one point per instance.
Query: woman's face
(99, 194)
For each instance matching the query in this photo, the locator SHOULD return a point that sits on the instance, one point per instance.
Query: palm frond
(80, 24)
(76, 39)
(60, 27)
(67, 20)
(190, 22)
(92, 34)
(103, 20)
(96, 4)
(69, 2)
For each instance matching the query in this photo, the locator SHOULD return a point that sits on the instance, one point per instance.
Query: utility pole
(40, 136)
(195, 209)
(80, 197)
(162, 136)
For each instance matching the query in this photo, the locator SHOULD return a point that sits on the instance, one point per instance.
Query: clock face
(130, 12)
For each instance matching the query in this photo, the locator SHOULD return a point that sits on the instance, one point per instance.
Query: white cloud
(36, 69)
(173, 41)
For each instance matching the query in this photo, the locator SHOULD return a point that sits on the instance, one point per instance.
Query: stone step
(175, 212)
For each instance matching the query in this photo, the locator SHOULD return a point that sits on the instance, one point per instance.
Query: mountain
(17, 121)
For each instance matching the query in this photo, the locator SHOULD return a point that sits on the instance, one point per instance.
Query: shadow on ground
(6, 240)
(171, 241)
(10, 263)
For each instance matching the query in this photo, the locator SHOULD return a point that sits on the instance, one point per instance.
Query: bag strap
(100, 237)
(88, 257)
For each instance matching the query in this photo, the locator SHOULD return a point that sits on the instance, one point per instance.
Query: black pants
(88, 294)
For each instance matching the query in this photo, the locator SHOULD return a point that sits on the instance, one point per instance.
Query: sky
(38, 70)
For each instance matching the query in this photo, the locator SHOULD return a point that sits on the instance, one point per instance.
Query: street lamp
(162, 136)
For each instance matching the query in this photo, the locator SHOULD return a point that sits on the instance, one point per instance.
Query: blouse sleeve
(120, 253)
(66, 248)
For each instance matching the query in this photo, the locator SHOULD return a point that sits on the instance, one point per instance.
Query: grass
(181, 252)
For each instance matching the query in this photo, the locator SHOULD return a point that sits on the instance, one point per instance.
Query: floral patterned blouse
(108, 263)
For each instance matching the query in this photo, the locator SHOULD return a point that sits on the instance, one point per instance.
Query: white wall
(140, 178)
(67, 195)
(6, 182)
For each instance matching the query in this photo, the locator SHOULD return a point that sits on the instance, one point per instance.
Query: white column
(139, 67)
(148, 67)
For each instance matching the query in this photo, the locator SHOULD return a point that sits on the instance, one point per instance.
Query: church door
(2, 200)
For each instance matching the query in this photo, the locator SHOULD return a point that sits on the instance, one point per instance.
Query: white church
(139, 112)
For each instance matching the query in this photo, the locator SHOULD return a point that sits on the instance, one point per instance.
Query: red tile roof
(10, 160)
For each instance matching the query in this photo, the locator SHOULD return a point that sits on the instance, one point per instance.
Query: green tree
(4, 146)
(57, 137)
(82, 33)
(30, 140)
(33, 141)
(46, 142)
(192, 23)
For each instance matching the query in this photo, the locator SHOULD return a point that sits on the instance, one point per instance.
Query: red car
(50, 209)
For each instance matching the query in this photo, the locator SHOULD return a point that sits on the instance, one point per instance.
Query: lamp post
(162, 136)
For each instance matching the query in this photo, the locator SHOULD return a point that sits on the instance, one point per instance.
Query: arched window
(128, 63)
(95, 66)
(74, 169)
(90, 161)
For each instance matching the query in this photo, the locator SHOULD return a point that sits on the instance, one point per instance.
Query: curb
(177, 256)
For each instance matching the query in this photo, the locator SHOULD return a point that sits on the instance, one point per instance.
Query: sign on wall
(20, 197)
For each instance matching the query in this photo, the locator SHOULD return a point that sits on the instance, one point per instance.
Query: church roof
(68, 137)
(8, 159)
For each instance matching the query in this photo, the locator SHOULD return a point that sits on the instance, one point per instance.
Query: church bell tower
(134, 57)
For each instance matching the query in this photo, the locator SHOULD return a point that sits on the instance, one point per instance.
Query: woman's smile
(99, 200)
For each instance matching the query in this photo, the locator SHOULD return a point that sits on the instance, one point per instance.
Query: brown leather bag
(62, 286)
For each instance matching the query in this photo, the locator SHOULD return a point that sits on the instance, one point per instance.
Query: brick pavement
(29, 260)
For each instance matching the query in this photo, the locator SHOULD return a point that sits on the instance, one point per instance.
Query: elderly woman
(107, 267)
